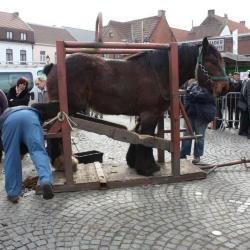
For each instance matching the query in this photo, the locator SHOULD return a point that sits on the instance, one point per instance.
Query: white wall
(49, 51)
(225, 31)
(16, 47)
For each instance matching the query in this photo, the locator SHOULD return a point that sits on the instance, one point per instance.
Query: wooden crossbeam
(122, 134)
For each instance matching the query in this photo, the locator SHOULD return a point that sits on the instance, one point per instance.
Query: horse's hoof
(148, 172)
(58, 163)
(157, 167)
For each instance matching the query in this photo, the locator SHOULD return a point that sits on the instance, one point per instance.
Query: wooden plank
(86, 178)
(52, 135)
(100, 173)
(123, 176)
(122, 134)
(86, 117)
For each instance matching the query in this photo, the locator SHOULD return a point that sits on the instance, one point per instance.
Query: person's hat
(3, 102)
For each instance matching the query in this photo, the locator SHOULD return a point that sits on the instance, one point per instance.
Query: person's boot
(13, 199)
(47, 191)
(196, 160)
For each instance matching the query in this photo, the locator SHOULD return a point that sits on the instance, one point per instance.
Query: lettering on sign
(218, 43)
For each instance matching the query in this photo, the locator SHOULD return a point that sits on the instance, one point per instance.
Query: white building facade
(16, 53)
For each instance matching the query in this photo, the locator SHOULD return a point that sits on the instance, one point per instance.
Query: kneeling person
(18, 125)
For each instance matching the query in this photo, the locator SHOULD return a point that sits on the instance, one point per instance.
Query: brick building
(153, 29)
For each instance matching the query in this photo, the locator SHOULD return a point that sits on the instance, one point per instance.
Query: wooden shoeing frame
(62, 128)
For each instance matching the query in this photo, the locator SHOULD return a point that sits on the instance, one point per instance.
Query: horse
(136, 86)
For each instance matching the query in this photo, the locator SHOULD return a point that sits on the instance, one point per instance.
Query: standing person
(38, 93)
(235, 85)
(22, 125)
(19, 94)
(200, 106)
(245, 109)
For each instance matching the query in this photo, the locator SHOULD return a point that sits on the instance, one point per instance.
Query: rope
(61, 117)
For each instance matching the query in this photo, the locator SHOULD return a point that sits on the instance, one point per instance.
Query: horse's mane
(47, 68)
(185, 51)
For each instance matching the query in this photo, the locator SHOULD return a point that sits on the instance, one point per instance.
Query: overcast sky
(82, 14)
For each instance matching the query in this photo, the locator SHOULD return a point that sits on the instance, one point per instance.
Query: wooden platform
(99, 176)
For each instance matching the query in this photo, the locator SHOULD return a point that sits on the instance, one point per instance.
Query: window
(9, 56)
(42, 56)
(111, 34)
(9, 35)
(23, 58)
(146, 39)
(23, 36)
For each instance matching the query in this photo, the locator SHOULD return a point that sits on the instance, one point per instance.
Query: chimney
(16, 14)
(161, 12)
(243, 23)
(226, 16)
(211, 12)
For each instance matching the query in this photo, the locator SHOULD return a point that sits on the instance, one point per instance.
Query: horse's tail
(47, 68)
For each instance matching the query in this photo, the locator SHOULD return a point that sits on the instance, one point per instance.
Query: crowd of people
(237, 104)
(203, 108)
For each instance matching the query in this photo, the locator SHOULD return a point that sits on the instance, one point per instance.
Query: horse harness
(203, 68)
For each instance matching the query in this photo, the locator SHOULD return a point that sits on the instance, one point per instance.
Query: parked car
(9, 74)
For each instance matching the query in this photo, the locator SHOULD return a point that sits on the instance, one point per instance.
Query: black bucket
(89, 156)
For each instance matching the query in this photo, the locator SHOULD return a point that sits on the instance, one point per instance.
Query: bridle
(205, 72)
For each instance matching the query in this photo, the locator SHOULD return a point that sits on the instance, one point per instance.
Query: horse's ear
(47, 68)
(205, 43)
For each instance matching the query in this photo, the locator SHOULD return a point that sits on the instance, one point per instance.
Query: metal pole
(224, 164)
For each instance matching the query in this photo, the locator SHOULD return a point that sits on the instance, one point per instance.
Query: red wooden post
(175, 109)
(160, 133)
(63, 99)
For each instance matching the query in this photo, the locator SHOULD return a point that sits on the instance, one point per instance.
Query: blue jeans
(199, 128)
(23, 126)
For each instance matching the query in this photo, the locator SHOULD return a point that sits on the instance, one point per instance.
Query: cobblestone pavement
(213, 213)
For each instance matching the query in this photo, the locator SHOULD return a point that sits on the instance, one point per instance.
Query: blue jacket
(11, 110)
(199, 103)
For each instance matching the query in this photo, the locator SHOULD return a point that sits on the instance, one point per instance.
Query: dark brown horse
(138, 86)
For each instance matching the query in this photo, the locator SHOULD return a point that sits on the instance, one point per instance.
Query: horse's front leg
(145, 163)
(131, 154)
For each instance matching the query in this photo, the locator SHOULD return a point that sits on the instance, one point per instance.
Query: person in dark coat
(200, 106)
(21, 124)
(235, 85)
(19, 94)
(245, 111)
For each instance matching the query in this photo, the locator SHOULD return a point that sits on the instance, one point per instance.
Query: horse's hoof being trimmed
(58, 163)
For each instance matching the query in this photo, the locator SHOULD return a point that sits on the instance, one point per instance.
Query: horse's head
(210, 70)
